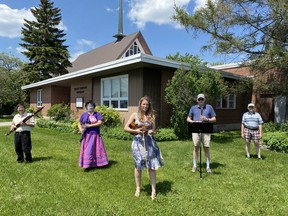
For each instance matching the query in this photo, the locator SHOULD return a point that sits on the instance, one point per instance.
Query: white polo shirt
(18, 118)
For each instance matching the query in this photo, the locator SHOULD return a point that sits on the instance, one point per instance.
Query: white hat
(200, 96)
(250, 105)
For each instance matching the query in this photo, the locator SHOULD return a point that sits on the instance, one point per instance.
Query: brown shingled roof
(107, 53)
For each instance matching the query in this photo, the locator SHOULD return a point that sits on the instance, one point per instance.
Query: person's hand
(242, 135)
(83, 128)
(151, 132)
(139, 131)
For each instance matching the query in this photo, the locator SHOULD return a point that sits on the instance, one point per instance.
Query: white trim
(138, 58)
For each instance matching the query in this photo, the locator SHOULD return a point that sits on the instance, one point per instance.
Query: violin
(135, 126)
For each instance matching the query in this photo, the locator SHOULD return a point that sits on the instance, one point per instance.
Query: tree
(183, 88)
(255, 29)
(11, 80)
(43, 44)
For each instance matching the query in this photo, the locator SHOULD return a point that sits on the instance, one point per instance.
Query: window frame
(39, 100)
(219, 103)
(135, 44)
(117, 99)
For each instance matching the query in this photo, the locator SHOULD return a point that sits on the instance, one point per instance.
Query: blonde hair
(150, 113)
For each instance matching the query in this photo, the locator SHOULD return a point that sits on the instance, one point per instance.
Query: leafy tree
(254, 29)
(43, 44)
(183, 88)
(11, 80)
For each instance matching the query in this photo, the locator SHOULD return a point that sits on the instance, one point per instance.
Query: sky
(89, 24)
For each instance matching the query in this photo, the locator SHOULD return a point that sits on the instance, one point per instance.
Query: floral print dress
(145, 150)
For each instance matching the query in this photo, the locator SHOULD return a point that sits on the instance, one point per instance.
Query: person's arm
(153, 130)
(96, 124)
(189, 119)
(30, 122)
(260, 131)
(211, 120)
(130, 130)
(242, 131)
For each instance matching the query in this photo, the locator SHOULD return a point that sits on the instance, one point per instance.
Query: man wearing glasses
(251, 128)
(201, 113)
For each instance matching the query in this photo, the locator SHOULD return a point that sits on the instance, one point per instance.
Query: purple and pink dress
(92, 152)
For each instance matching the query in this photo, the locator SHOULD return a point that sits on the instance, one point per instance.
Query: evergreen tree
(43, 44)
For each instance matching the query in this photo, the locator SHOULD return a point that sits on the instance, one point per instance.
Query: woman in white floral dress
(145, 150)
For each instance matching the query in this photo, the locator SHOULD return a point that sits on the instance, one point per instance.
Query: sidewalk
(5, 124)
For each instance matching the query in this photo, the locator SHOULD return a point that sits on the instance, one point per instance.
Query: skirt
(92, 152)
(146, 153)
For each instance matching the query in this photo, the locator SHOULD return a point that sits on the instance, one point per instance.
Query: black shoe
(260, 158)
(21, 161)
(28, 162)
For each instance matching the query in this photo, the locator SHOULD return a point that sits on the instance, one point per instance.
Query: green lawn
(54, 184)
(6, 119)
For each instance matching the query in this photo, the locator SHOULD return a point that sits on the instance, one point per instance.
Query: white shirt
(18, 118)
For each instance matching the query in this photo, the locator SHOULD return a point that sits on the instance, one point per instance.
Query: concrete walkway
(5, 124)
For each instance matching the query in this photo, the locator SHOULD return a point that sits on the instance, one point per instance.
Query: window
(226, 102)
(114, 92)
(39, 98)
(133, 49)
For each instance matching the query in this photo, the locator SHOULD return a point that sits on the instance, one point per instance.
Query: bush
(59, 112)
(276, 141)
(111, 117)
(115, 133)
(271, 127)
(66, 127)
(166, 134)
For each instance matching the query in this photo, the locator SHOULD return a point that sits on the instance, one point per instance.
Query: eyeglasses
(251, 107)
(200, 99)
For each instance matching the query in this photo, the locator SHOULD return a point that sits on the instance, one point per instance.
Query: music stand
(200, 127)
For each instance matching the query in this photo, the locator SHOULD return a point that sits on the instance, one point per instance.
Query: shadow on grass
(163, 187)
(111, 163)
(213, 166)
(255, 156)
(225, 137)
(37, 159)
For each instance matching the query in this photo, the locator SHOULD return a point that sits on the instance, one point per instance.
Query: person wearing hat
(251, 128)
(201, 113)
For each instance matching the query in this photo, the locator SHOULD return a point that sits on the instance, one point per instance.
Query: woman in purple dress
(92, 152)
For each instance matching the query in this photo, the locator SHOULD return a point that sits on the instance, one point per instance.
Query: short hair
(18, 105)
(90, 102)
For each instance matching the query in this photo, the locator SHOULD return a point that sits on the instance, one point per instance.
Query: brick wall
(80, 88)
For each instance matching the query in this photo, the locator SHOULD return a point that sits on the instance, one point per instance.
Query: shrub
(284, 127)
(59, 112)
(271, 127)
(276, 141)
(115, 133)
(166, 134)
(56, 125)
(111, 117)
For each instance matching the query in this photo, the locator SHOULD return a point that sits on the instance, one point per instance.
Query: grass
(54, 184)
(6, 119)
